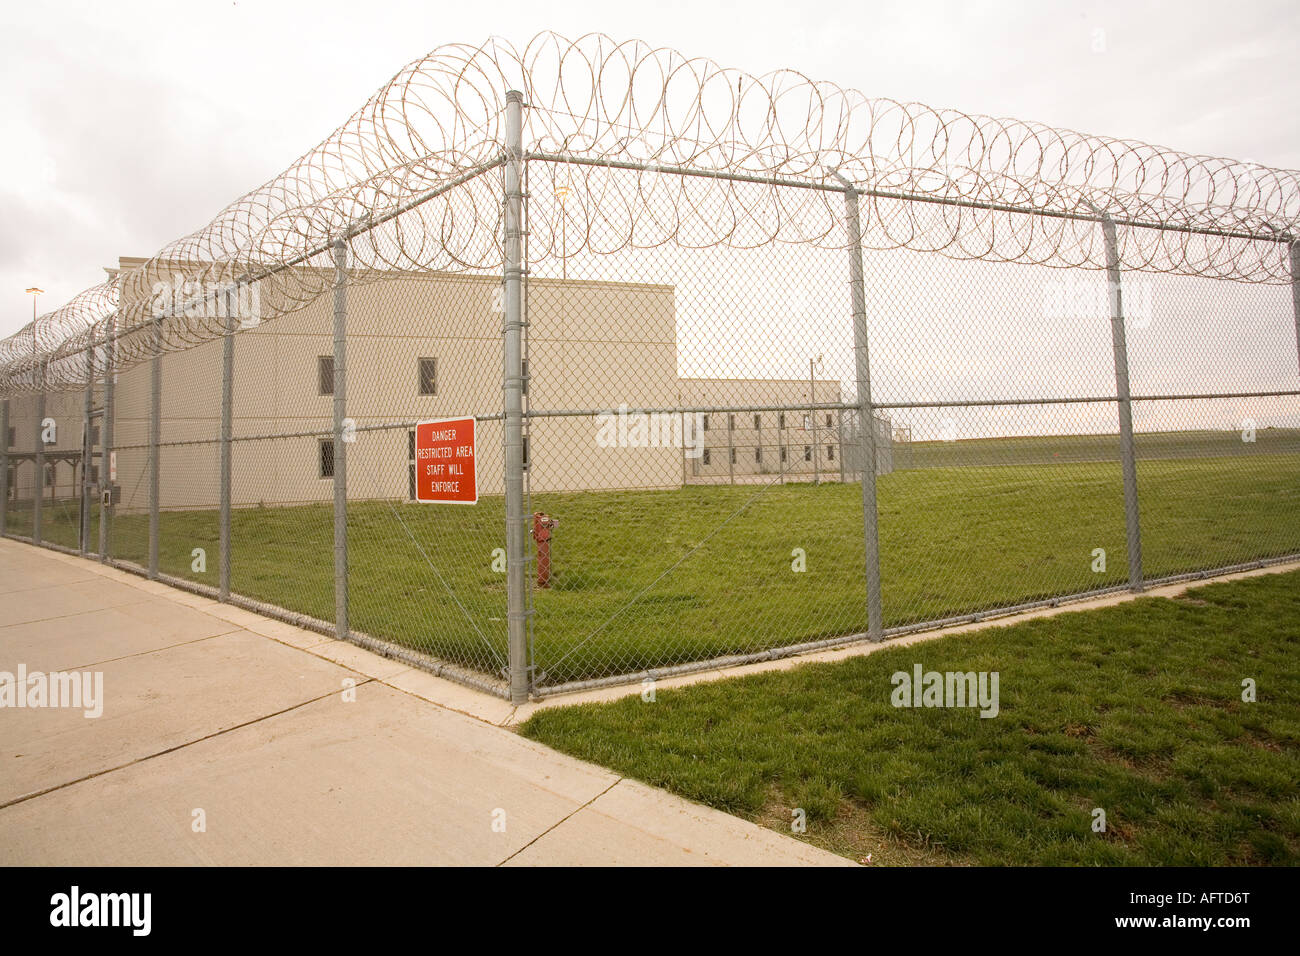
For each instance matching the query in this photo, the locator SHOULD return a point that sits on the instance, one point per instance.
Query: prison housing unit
(758, 441)
(61, 458)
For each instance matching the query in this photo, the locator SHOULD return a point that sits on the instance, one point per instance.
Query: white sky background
(128, 124)
(132, 123)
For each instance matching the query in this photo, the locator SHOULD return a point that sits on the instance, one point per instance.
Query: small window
(525, 376)
(706, 456)
(807, 422)
(758, 455)
(807, 452)
(429, 376)
(706, 426)
(94, 474)
(731, 422)
(525, 453)
(325, 374)
(11, 436)
(49, 476)
(783, 454)
(94, 435)
(780, 420)
(327, 457)
(830, 452)
(733, 456)
(828, 420)
(756, 422)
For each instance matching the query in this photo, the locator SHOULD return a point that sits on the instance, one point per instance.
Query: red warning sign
(444, 462)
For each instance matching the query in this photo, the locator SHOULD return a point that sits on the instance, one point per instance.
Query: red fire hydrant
(543, 524)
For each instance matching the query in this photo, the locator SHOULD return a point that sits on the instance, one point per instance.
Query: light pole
(813, 364)
(38, 491)
(562, 193)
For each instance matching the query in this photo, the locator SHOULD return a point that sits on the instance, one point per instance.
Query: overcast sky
(128, 124)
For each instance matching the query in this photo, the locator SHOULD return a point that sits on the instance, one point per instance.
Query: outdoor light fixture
(34, 293)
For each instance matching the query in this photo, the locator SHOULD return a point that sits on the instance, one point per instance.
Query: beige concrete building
(62, 464)
(428, 346)
(795, 442)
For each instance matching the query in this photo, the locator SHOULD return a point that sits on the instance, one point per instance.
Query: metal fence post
(155, 439)
(839, 440)
(38, 489)
(227, 412)
(1128, 454)
(341, 625)
(866, 413)
(4, 466)
(512, 387)
(106, 440)
(1295, 289)
(684, 482)
(87, 449)
(780, 446)
(731, 449)
(812, 418)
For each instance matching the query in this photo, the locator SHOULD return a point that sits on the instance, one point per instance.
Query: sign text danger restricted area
(444, 462)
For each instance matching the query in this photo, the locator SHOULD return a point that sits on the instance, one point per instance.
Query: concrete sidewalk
(215, 713)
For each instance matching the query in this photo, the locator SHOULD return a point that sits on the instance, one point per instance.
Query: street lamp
(562, 193)
(39, 491)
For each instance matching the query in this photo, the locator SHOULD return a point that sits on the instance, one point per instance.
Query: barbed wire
(661, 149)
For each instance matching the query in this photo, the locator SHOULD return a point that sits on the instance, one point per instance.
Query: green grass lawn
(655, 578)
(1135, 709)
(1057, 449)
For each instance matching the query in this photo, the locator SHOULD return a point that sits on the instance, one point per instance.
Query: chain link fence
(739, 389)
